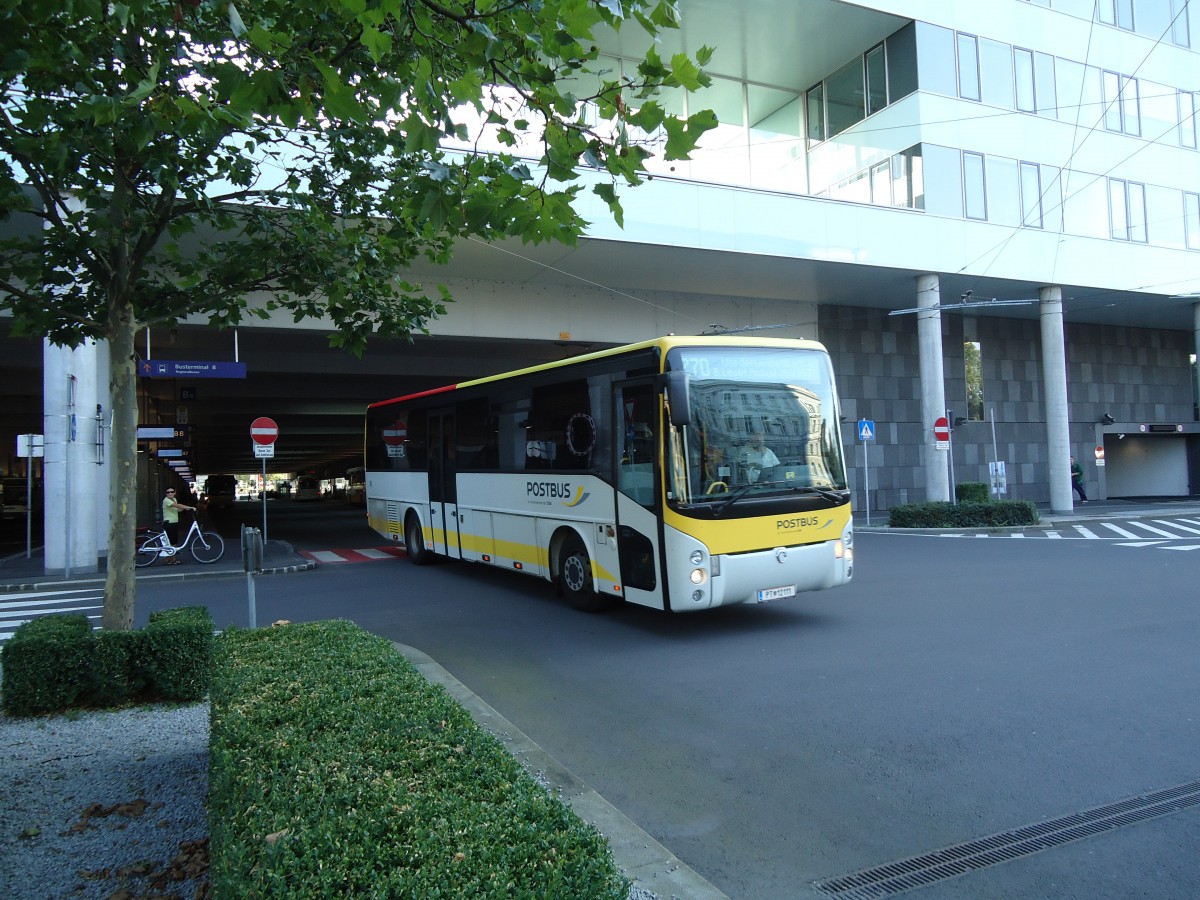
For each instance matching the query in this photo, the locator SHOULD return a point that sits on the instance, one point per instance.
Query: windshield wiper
(824, 493)
(832, 496)
(733, 498)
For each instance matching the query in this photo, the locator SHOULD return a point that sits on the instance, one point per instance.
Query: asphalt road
(954, 690)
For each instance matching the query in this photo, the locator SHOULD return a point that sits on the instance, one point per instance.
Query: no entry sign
(395, 434)
(941, 430)
(264, 430)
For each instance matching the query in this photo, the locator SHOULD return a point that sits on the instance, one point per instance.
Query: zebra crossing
(17, 609)
(1166, 534)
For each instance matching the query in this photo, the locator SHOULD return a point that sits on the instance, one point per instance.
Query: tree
(182, 157)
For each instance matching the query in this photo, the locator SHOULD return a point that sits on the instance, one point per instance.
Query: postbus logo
(801, 522)
(556, 490)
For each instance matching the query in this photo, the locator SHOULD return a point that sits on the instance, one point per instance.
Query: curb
(50, 584)
(643, 860)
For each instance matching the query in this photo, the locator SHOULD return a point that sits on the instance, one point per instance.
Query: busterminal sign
(187, 368)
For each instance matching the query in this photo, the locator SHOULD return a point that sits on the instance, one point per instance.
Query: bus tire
(414, 542)
(575, 578)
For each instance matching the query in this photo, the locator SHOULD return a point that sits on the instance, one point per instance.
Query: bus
(308, 487)
(221, 491)
(682, 473)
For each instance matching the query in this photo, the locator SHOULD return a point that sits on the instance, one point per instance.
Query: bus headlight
(699, 576)
(697, 557)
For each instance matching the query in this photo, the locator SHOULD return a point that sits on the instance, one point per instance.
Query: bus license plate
(776, 593)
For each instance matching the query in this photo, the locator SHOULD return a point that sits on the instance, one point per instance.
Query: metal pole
(950, 435)
(250, 599)
(29, 499)
(69, 439)
(263, 491)
(995, 456)
(867, 478)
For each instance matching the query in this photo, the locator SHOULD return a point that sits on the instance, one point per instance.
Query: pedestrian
(1077, 480)
(170, 513)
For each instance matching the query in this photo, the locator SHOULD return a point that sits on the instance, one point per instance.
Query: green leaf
(686, 73)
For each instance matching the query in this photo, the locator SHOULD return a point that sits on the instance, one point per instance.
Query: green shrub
(176, 658)
(972, 492)
(47, 665)
(943, 514)
(117, 674)
(337, 770)
(53, 663)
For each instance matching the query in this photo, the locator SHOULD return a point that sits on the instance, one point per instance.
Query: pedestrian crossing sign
(866, 430)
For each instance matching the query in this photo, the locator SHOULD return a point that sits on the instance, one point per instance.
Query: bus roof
(665, 343)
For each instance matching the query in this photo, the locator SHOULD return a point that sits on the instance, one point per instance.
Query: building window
(1116, 12)
(1121, 104)
(973, 366)
(1127, 210)
(845, 97)
(815, 108)
(877, 93)
(974, 186)
(1186, 103)
(968, 67)
(1179, 23)
(1191, 220)
(1031, 195)
(1023, 71)
(881, 183)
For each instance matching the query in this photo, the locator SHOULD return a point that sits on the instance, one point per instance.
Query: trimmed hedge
(943, 514)
(47, 665)
(337, 770)
(54, 663)
(972, 492)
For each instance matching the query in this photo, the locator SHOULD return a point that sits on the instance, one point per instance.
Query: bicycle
(206, 546)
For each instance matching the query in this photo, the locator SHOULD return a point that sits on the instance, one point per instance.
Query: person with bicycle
(170, 514)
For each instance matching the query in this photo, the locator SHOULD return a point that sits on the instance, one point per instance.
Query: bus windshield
(763, 422)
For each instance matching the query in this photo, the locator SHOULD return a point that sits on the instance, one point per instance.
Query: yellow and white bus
(682, 473)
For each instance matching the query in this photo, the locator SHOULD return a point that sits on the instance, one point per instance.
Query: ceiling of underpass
(317, 395)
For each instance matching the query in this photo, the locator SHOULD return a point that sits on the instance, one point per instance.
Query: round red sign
(941, 430)
(396, 433)
(264, 430)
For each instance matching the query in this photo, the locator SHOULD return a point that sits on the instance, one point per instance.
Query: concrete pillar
(933, 385)
(1054, 379)
(75, 396)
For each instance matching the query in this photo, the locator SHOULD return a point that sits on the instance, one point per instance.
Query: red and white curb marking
(370, 554)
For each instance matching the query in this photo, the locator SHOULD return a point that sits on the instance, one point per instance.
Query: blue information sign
(185, 368)
(866, 430)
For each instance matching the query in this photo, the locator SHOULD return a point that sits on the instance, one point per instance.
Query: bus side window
(635, 468)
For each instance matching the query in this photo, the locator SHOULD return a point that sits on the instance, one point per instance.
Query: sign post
(941, 441)
(30, 446)
(263, 432)
(866, 433)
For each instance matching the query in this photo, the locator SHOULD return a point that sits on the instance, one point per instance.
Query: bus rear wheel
(575, 578)
(414, 542)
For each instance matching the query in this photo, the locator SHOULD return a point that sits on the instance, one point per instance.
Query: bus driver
(755, 458)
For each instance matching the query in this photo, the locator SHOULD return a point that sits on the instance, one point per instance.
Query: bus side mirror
(679, 398)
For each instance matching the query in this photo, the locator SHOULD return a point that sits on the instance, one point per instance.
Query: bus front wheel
(414, 542)
(575, 578)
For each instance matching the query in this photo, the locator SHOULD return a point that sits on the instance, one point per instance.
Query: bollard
(252, 563)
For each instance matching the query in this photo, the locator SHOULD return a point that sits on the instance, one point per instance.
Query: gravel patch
(105, 804)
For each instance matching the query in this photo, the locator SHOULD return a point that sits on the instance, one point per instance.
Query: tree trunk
(120, 586)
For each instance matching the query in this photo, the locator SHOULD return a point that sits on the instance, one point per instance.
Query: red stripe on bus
(407, 397)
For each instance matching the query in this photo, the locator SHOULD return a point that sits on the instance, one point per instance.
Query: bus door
(636, 416)
(443, 484)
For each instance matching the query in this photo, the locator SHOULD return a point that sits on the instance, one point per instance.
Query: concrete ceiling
(318, 395)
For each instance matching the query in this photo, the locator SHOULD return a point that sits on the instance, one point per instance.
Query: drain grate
(928, 868)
